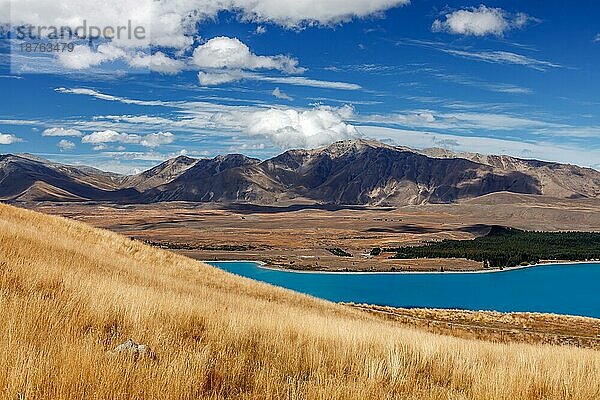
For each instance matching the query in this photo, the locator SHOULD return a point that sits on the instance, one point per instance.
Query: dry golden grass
(69, 293)
(493, 326)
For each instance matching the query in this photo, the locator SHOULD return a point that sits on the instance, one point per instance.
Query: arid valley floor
(298, 237)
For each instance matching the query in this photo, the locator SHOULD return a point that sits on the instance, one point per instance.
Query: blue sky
(500, 77)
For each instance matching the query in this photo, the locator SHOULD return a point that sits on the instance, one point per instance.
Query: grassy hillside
(69, 293)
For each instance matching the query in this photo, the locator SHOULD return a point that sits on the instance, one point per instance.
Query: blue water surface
(563, 289)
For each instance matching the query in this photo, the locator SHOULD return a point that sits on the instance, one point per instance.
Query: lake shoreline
(264, 265)
(561, 288)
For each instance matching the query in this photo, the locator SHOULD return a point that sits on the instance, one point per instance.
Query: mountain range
(357, 172)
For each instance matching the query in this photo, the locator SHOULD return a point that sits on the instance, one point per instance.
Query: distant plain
(301, 237)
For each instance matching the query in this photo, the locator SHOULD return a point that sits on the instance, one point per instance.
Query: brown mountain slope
(367, 172)
(24, 178)
(556, 180)
(159, 175)
(355, 172)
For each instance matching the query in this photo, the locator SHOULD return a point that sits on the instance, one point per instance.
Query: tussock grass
(69, 293)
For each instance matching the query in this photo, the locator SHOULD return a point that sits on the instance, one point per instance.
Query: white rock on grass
(131, 348)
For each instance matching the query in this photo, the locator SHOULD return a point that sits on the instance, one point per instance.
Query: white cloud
(228, 76)
(230, 53)
(7, 138)
(136, 119)
(219, 78)
(157, 62)
(289, 128)
(491, 86)
(292, 14)
(157, 139)
(302, 81)
(597, 38)
(109, 136)
(224, 60)
(497, 57)
(173, 23)
(480, 21)
(219, 117)
(459, 121)
(65, 145)
(19, 122)
(247, 146)
(83, 57)
(61, 132)
(108, 97)
(147, 156)
(284, 127)
(280, 95)
(260, 30)
(504, 57)
(521, 20)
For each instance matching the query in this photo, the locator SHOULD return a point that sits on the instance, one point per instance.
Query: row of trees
(507, 247)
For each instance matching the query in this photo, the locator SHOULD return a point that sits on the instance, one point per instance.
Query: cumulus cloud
(157, 139)
(65, 145)
(597, 38)
(260, 30)
(293, 14)
(173, 24)
(61, 132)
(110, 136)
(289, 128)
(220, 77)
(83, 57)
(285, 127)
(481, 21)
(157, 62)
(173, 27)
(230, 53)
(280, 95)
(7, 138)
(224, 60)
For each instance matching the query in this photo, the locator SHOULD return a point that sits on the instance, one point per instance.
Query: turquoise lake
(563, 289)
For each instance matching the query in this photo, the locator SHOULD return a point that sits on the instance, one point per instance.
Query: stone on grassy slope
(133, 349)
